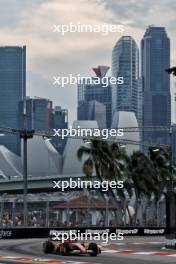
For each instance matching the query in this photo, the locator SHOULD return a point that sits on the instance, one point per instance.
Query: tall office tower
(38, 113)
(60, 121)
(173, 138)
(125, 62)
(140, 107)
(12, 90)
(93, 110)
(140, 102)
(98, 92)
(156, 83)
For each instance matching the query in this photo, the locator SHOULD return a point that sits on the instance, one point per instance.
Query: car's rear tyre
(94, 248)
(48, 247)
(65, 249)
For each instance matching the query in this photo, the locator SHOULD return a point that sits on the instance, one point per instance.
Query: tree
(108, 160)
(172, 71)
(161, 160)
(142, 178)
(143, 175)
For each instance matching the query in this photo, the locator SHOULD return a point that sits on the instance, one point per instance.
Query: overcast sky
(30, 23)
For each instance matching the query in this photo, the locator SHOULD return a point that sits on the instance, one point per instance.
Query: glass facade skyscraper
(155, 51)
(60, 120)
(93, 110)
(96, 92)
(89, 92)
(38, 113)
(125, 63)
(12, 90)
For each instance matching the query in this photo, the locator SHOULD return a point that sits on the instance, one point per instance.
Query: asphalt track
(131, 250)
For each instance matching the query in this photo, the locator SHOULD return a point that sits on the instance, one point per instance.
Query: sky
(30, 23)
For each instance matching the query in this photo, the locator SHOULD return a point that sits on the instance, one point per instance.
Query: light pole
(25, 135)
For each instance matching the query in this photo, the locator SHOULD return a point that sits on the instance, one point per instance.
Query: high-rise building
(156, 83)
(38, 113)
(140, 106)
(60, 121)
(93, 110)
(60, 117)
(125, 63)
(98, 92)
(12, 90)
(173, 143)
(140, 102)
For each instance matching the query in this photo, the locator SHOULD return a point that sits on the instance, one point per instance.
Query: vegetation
(144, 176)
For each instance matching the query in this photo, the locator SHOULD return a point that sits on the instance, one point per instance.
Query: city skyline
(57, 54)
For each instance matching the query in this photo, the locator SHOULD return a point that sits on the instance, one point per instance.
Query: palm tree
(142, 179)
(106, 158)
(172, 71)
(162, 164)
(109, 162)
(149, 175)
(141, 174)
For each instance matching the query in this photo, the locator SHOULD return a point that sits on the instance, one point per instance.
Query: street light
(87, 141)
(122, 146)
(25, 135)
(155, 150)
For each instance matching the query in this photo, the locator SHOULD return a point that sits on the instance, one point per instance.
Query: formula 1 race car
(71, 247)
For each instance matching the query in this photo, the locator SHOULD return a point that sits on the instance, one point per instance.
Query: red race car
(71, 247)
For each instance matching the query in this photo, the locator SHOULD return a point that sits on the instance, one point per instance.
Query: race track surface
(131, 250)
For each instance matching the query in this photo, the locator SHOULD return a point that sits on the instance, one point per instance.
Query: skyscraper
(140, 108)
(140, 102)
(98, 92)
(93, 110)
(125, 62)
(156, 83)
(60, 121)
(12, 90)
(38, 113)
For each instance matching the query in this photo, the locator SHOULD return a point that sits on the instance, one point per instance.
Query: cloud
(11, 10)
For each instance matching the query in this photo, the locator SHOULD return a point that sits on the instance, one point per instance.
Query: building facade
(93, 110)
(125, 62)
(155, 51)
(60, 120)
(97, 92)
(12, 90)
(38, 113)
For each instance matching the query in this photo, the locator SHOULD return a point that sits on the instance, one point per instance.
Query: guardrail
(22, 233)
